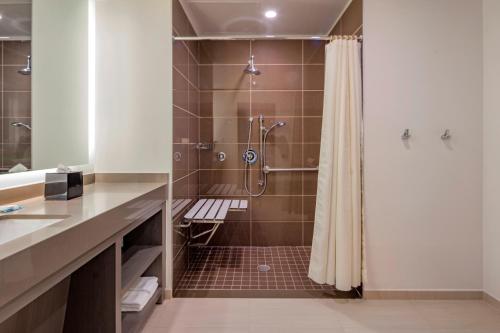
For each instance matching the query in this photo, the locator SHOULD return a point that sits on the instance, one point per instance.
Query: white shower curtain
(336, 248)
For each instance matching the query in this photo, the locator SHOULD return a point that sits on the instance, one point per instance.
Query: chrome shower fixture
(251, 156)
(251, 69)
(27, 69)
(277, 124)
(20, 124)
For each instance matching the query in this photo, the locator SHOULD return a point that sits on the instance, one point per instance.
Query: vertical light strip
(91, 80)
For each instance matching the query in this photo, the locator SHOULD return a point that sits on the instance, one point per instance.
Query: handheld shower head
(276, 124)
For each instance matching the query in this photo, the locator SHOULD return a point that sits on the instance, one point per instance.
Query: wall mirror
(44, 88)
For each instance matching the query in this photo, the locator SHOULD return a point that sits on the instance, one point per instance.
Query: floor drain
(263, 268)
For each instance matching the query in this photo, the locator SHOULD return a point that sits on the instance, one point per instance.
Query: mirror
(44, 97)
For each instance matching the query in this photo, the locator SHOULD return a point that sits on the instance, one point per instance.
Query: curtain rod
(296, 37)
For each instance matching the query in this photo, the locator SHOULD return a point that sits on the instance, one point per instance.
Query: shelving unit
(143, 255)
(137, 260)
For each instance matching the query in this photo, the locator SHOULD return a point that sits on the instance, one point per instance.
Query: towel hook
(406, 134)
(446, 135)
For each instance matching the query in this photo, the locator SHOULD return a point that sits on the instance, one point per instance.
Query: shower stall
(247, 128)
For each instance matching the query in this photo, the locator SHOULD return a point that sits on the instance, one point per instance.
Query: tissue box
(63, 186)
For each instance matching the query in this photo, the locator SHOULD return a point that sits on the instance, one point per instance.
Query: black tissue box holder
(63, 186)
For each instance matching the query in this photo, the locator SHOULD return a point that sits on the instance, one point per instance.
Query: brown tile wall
(290, 89)
(15, 105)
(186, 112)
(351, 21)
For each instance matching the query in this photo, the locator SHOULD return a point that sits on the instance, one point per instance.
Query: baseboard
(423, 294)
(491, 300)
(248, 293)
(167, 294)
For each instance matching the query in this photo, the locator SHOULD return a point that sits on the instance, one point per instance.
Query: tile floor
(188, 315)
(235, 268)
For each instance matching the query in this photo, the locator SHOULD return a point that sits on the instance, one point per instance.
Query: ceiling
(246, 17)
(15, 19)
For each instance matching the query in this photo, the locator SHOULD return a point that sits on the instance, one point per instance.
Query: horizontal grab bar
(268, 169)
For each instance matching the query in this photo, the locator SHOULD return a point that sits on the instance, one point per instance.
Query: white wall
(133, 92)
(423, 71)
(491, 187)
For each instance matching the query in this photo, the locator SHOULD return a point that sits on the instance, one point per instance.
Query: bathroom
(254, 165)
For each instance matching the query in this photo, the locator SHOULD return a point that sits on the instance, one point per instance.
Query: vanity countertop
(97, 199)
(103, 211)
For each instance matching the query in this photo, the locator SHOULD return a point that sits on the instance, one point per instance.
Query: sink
(13, 226)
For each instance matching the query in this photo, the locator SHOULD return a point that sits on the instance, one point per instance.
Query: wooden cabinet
(86, 295)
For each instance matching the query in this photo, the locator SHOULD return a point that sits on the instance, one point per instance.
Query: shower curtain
(336, 248)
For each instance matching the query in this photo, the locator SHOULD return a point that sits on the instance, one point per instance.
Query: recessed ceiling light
(270, 14)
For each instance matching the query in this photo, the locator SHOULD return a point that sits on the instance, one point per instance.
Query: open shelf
(133, 322)
(142, 251)
(136, 261)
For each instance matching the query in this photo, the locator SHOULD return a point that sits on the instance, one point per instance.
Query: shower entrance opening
(248, 116)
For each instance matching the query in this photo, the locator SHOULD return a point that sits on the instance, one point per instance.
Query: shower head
(251, 69)
(275, 125)
(20, 124)
(27, 69)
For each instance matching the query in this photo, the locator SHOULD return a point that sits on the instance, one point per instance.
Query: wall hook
(446, 135)
(406, 134)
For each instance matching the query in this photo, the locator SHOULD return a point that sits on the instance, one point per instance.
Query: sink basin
(15, 226)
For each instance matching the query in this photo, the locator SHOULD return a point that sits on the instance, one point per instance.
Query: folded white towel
(136, 298)
(148, 284)
(134, 301)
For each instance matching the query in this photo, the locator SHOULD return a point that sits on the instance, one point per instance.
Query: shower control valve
(250, 156)
(221, 156)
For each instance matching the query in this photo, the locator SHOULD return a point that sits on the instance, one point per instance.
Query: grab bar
(268, 169)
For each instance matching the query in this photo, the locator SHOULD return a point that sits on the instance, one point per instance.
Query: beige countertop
(97, 199)
(103, 210)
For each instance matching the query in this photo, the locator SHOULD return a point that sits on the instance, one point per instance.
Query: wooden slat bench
(211, 211)
(178, 206)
